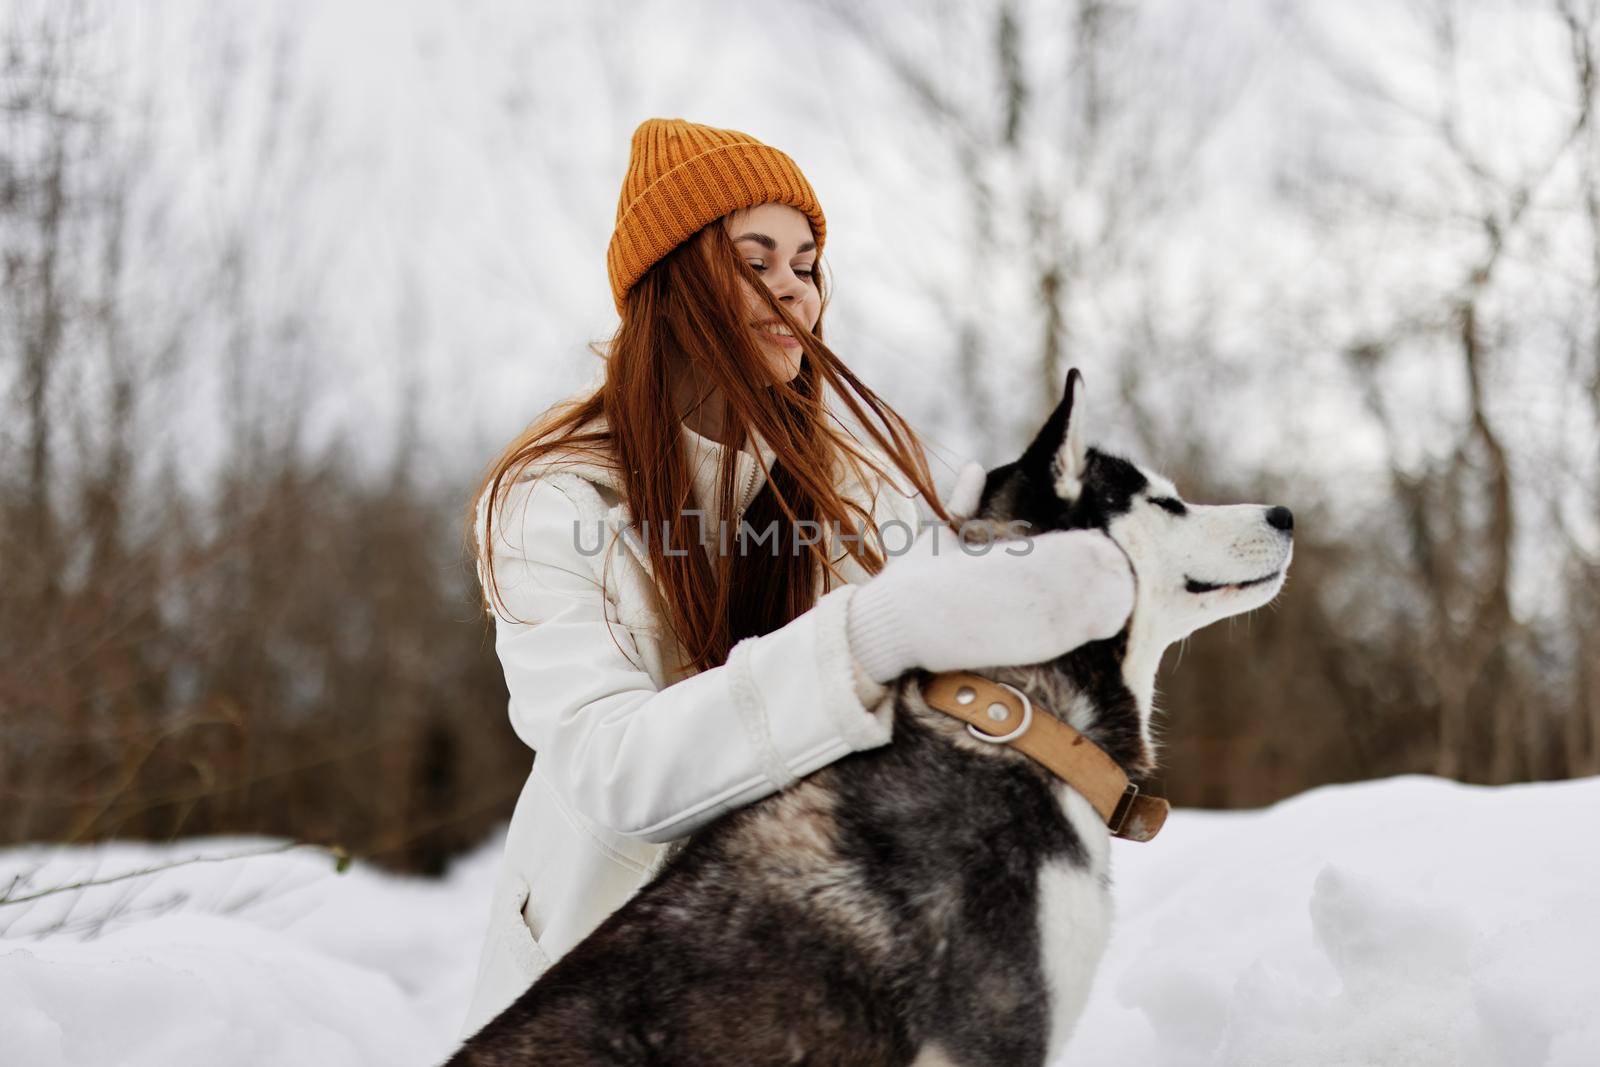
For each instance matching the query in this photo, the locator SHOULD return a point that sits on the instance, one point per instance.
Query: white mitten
(943, 607)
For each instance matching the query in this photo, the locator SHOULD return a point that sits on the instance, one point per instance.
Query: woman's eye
(799, 272)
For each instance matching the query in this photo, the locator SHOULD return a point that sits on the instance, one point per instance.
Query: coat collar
(705, 459)
(704, 456)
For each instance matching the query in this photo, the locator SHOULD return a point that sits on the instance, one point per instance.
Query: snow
(1411, 921)
(1407, 921)
(274, 959)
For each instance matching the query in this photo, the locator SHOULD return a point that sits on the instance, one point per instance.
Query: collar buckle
(1124, 805)
(1007, 738)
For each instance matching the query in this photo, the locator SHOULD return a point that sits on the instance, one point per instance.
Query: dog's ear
(1058, 452)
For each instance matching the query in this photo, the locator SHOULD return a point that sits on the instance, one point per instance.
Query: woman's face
(775, 240)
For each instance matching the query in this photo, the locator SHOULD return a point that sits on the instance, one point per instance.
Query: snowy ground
(1410, 921)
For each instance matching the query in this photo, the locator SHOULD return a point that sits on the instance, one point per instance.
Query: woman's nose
(785, 287)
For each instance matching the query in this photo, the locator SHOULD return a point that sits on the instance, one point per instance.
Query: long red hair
(688, 314)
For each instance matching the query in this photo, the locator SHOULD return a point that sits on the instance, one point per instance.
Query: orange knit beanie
(682, 175)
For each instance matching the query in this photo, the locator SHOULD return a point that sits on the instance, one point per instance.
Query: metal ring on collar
(1027, 721)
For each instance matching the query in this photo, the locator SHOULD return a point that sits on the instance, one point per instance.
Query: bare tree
(1071, 129)
(1462, 510)
(294, 651)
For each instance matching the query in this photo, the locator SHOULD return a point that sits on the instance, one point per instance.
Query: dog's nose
(1280, 518)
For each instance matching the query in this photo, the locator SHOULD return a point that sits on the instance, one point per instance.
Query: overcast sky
(427, 190)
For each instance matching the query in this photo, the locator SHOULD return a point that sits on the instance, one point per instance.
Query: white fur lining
(859, 725)
(753, 715)
(516, 935)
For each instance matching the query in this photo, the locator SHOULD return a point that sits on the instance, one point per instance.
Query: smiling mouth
(776, 332)
(1195, 586)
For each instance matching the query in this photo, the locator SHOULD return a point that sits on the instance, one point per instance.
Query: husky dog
(937, 900)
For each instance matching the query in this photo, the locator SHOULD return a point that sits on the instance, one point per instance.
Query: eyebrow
(770, 245)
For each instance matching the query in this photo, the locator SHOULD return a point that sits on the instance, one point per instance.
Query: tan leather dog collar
(1070, 756)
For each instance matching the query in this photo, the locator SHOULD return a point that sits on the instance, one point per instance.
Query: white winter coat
(630, 755)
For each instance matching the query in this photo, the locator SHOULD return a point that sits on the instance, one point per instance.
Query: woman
(661, 684)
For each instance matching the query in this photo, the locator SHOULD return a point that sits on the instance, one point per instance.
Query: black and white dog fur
(935, 901)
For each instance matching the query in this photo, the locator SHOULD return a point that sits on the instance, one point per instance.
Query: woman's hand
(944, 606)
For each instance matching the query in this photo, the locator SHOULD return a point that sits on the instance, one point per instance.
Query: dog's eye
(1169, 503)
